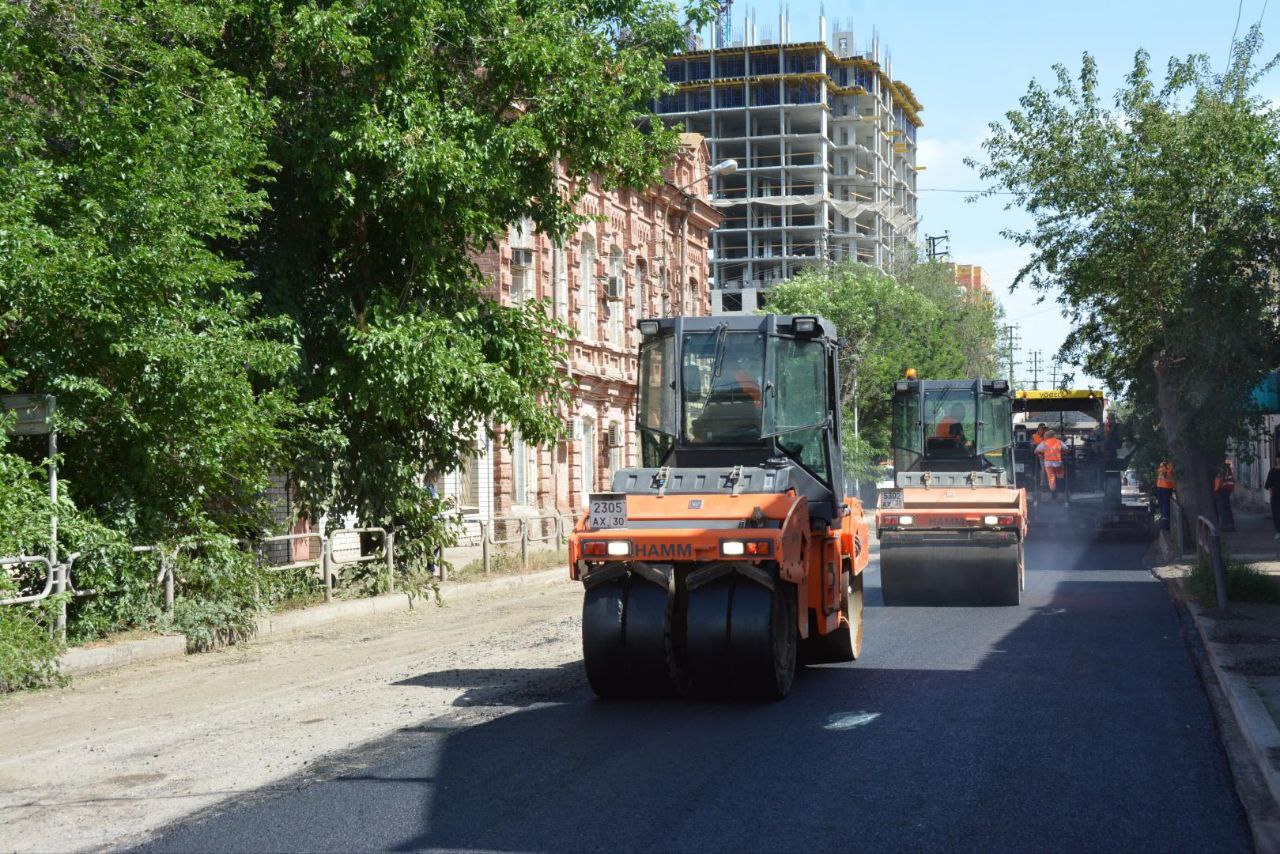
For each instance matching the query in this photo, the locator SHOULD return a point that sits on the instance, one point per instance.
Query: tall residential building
(825, 141)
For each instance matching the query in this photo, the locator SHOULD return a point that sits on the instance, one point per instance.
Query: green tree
(409, 135)
(1158, 221)
(887, 324)
(127, 157)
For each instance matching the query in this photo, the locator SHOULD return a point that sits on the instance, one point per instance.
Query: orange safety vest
(1164, 477)
(943, 430)
(1052, 450)
(1225, 481)
(749, 386)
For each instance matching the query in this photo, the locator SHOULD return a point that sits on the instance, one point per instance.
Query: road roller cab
(730, 553)
(952, 529)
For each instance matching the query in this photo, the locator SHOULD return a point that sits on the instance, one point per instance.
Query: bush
(1244, 584)
(28, 650)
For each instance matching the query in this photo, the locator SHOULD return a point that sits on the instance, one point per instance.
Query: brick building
(975, 280)
(643, 254)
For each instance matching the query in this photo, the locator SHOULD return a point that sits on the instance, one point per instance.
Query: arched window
(588, 291)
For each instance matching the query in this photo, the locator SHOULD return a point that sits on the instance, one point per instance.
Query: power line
(1036, 313)
(1234, 33)
(957, 190)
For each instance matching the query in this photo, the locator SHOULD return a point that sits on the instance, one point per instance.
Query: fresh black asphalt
(1073, 723)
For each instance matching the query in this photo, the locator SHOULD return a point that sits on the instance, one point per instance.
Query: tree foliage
(127, 156)
(1157, 218)
(917, 319)
(410, 134)
(236, 240)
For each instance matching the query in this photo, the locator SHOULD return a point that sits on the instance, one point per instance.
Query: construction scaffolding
(825, 141)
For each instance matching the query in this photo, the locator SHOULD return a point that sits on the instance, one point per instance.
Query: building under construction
(825, 141)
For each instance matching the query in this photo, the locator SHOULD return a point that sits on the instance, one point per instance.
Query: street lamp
(724, 167)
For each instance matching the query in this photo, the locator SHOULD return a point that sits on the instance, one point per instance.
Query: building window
(617, 452)
(588, 291)
(521, 233)
(560, 293)
(638, 307)
(521, 284)
(588, 451)
(616, 308)
(519, 471)
(731, 301)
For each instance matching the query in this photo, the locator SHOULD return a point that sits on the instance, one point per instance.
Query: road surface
(1075, 722)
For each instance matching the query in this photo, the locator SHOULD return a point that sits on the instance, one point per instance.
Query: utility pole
(1006, 348)
(933, 243)
(1035, 369)
(1053, 373)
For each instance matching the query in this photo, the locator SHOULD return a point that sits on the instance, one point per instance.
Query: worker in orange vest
(1224, 484)
(1165, 485)
(951, 425)
(1050, 453)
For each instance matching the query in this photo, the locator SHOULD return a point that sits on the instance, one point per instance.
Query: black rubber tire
(741, 638)
(626, 638)
(845, 643)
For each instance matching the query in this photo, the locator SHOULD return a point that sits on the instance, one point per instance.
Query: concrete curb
(318, 615)
(80, 661)
(83, 660)
(1255, 722)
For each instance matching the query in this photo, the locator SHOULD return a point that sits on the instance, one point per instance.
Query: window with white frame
(560, 291)
(616, 308)
(521, 234)
(638, 308)
(519, 471)
(587, 455)
(588, 291)
(617, 449)
(522, 288)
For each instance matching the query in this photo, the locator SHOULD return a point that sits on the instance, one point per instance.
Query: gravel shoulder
(107, 761)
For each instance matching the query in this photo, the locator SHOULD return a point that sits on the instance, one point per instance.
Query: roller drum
(741, 638)
(930, 574)
(626, 636)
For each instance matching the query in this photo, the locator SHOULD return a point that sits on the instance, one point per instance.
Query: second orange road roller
(729, 556)
(952, 528)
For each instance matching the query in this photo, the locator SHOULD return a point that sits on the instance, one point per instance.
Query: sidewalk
(1254, 539)
(1242, 646)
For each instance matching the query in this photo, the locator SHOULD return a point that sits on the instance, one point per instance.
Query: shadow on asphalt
(498, 686)
(1073, 723)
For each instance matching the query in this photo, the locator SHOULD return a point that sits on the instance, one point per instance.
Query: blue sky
(968, 63)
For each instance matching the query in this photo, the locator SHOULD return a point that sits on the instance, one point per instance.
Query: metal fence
(1209, 544)
(281, 553)
(328, 563)
(516, 532)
